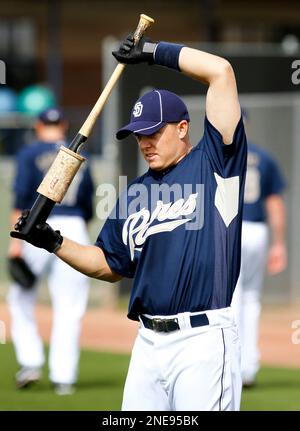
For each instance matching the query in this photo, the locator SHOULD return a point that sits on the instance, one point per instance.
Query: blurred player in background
(68, 288)
(264, 210)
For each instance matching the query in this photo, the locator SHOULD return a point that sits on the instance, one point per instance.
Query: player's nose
(145, 142)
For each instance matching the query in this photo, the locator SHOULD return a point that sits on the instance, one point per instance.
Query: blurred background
(58, 53)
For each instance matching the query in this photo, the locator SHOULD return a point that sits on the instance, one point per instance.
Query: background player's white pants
(69, 294)
(247, 296)
(188, 369)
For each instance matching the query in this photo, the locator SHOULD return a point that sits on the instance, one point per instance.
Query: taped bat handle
(39, 213)
(77, 142)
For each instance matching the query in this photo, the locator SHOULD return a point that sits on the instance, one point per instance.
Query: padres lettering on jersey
(137, 227)
(197, 268)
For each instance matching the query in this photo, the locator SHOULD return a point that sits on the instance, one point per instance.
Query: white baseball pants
(188, 369)
(69, 294)
(246, 301)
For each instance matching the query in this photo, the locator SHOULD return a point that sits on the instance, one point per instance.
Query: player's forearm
(89, 260)
(276, 215)
(203, 66)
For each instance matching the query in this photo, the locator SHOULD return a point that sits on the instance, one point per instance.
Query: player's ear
(182, 128)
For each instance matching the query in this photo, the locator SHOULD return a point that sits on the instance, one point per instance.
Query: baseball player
(176, 231)
(263, 207)
(68, 288)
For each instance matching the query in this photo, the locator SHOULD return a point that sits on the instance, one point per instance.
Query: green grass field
(101, 381)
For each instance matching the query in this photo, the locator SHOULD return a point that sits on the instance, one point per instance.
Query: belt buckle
(158, 324)
(165, 325)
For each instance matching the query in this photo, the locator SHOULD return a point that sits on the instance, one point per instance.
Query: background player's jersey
(33, 162)
(177, 232)
(263, 179)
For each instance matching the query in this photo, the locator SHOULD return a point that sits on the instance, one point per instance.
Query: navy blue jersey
(263, 179)
(177, 232)
(33, 162)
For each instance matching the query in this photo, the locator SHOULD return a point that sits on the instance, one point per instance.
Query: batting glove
(142, 52)
(41, 235)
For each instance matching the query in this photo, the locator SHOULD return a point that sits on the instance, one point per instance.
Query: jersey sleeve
(111, 243)
(225, 160)
(275, 182)
(23, 186)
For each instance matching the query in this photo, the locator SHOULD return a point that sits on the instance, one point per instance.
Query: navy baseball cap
(51, 116)
(153, 111)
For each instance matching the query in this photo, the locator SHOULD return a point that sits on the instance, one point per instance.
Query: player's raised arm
(222, 104)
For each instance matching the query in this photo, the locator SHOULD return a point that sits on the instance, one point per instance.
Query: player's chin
(154, 163)
(156, 166)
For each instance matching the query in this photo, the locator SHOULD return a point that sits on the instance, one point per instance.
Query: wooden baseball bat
(61, 173)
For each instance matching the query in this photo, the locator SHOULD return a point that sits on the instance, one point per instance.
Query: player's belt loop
(199, 320)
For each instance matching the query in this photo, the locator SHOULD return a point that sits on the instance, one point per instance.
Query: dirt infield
(110, 330)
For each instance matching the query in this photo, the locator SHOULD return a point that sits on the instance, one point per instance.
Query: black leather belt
(169, 325)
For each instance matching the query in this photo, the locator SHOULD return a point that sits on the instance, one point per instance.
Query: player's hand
(129, 53)
(277, 259)
(41, 235)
